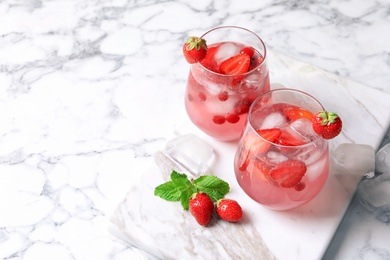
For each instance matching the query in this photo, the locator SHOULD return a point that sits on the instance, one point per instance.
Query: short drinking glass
(219, 91)
(280, 161)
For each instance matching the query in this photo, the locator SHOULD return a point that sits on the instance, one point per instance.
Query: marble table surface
(90, 90)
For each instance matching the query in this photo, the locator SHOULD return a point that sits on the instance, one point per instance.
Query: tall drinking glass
(280, 161)
(217, 102)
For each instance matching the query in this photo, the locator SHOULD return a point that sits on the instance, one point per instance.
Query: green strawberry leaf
(168, 191)
(212, 186)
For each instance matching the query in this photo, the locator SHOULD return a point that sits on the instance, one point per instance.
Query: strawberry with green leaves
(327, 124)
(194, 49)
(194, 195)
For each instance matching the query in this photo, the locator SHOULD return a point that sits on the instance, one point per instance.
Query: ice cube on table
(272, 120)
(191, 153)
(355, 159)
(226, 51)
(382, 159)
(374, 193)
(350, 162)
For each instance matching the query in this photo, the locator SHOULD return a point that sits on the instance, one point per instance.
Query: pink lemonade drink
(222, 87)
(280, 161)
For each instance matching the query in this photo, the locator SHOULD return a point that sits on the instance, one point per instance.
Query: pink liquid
(218, 104)
(253, 168)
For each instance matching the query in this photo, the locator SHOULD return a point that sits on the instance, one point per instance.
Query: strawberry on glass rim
(194, 49)
(327, 124)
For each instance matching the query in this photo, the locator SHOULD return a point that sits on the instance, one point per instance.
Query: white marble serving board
(166, 231)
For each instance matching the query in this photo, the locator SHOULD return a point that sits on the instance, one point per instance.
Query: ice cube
(310, 153)
(191, 153)
(272, 120)
(304, 128)
(374, 195)
(226, 51)
(382, 160)
(355, 159)
(350, 162)
(276, 157)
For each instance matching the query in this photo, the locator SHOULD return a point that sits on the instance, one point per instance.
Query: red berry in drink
(219, 120)
(223, 95)
(232, 118)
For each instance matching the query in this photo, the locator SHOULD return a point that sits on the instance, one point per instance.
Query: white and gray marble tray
(164, 230)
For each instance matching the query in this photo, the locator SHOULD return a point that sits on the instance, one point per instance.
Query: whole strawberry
(229, 210)
(327, 124)
(194, 49)
(201, 207)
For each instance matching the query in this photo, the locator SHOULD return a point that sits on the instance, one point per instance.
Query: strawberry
(293, 113)
(260, 170)
(209, 61)
(327, 124)
(287, 139)
(248, 50)
(235, 65)
(288, 173)
(194, 49)
(256, 146)
(229, 210)
(201, 207)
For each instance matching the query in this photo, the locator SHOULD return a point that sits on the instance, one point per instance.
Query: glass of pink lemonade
(280, 161)
(221, 88)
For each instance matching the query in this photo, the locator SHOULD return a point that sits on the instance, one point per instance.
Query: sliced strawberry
(235, 65)
(287, 139)
(260, 170)
(248, 50)
(293, 113)
(209, 61)
(288, 173)
(257, 146)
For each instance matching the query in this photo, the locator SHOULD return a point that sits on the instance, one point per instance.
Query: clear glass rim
(239, 28)
(278, 90)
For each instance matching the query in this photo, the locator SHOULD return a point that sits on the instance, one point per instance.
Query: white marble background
(82, 80)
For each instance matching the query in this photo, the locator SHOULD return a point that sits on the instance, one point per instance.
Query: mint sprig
(180, 188)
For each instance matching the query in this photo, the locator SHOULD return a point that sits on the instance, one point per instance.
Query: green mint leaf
(185, 198)
(179, 188)
(213, 186)
(168, 191)
(181, 181)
